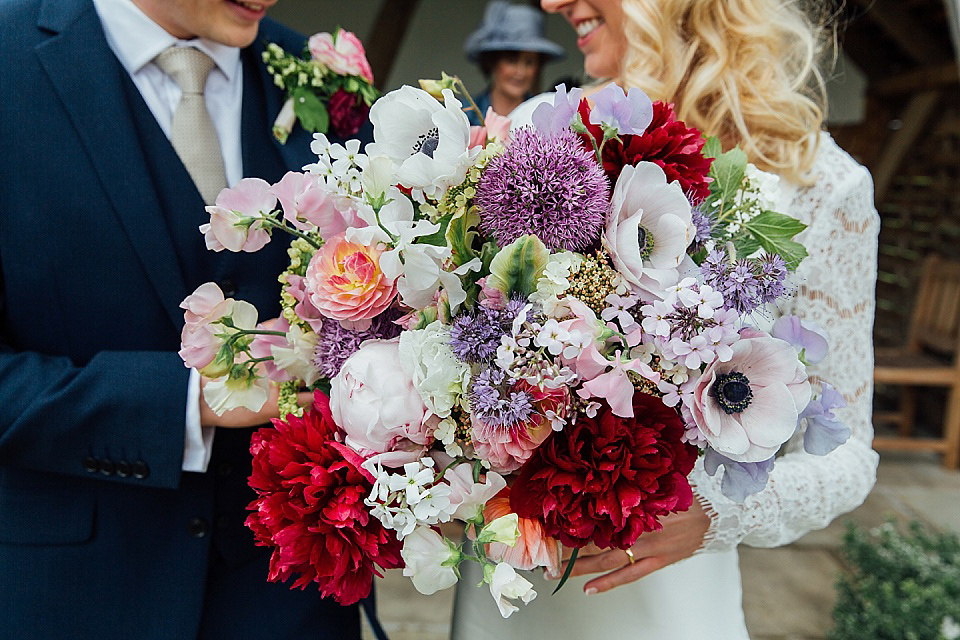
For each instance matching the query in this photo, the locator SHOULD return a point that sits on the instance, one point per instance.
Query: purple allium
(494, 403)
(335, 344)
(550, 187)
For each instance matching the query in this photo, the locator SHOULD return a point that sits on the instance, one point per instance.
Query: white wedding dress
(700, 597)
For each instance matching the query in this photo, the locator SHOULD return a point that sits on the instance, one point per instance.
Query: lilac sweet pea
(551, 119)
(824, 432)
(810, 343)
(740, 479)
(627, 114)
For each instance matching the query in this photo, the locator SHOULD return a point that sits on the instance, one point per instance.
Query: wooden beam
(386, 36)
(895, 19)
(915, 117)
(935, 76)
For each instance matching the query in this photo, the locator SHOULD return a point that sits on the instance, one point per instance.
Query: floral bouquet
(330, 87)
(533, 332)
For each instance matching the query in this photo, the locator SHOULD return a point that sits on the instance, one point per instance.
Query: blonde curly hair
(746, 71)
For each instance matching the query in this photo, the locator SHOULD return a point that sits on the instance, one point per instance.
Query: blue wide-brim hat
(508, 27)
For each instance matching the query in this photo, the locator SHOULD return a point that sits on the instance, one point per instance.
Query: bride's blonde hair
(746, 71)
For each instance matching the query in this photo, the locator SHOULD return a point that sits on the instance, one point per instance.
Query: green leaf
(310, 111)
(774, 232)
(566, 574)
(518, 266)
(439, 237)
(712, 147)
(461, 235)
(727, 171)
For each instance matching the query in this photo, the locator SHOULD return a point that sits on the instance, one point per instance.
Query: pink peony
(377, 406)
(747, 407)
(345, 283)
(307, 204)
(342, 53)
(229, 227)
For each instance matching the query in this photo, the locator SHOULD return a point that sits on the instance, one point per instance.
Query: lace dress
(700, 597)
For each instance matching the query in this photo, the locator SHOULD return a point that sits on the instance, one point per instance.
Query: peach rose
(344, 282)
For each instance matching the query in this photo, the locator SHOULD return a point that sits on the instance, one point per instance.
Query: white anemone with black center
(427, 141)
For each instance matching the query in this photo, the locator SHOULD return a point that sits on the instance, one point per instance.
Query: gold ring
(630, 557)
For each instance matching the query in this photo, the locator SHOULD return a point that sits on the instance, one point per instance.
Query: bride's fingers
(605, 561)
(630, 573)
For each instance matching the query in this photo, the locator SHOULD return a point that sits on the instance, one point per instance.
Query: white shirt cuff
(198, 441)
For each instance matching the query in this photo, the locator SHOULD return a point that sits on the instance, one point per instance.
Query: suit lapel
(88, 80)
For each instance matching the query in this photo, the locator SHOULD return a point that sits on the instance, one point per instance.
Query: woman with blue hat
(510, 48)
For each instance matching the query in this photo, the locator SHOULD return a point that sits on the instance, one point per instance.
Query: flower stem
(270, 222)
(473, 105)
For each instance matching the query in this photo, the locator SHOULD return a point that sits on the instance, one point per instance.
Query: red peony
(607, 479)
(667, 142)
(310, 507)
(347, 113)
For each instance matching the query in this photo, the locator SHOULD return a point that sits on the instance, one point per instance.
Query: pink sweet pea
(230, 227)
(747, 407)
(342, 53)
(495, 127)
(297, 287)
(262, 347)
(307, 204)
(615, 385)
(202, 304)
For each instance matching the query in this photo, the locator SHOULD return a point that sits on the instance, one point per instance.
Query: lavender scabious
(747, 283)
(475, 337)
(335, 344)
(549, 187)
(494, 403)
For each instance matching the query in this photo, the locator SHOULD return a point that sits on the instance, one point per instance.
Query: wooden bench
(928, 359)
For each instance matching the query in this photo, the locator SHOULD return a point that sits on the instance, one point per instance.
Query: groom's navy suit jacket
(101, 533)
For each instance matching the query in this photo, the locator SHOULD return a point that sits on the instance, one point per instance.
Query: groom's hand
(241, 418)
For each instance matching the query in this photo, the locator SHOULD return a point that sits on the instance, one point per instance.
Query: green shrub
(902, 586)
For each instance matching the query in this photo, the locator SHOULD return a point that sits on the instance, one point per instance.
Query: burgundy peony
(667, 142)
(347, 113)
(310, 508)
(606, 480)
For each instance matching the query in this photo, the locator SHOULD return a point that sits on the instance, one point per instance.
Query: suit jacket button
(140, 470)
(123, 469)
(228, 287)
(107, 467)
(197, 528)
(91, 464)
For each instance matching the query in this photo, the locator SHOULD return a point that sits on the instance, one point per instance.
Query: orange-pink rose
(344, 282)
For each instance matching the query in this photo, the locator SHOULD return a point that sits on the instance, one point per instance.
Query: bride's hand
(682, 535)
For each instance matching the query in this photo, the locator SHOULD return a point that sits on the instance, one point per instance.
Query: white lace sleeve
(836, 290)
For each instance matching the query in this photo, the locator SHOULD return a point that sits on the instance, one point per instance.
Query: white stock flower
(438, 376)
(506, 585)
(428, 142)
(430, 560)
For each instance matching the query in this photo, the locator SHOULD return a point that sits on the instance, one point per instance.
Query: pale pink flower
(262, 346)
(616, 387)
(648, 229)
(469, 496)
(199, 345)
(307, 204)
(498, 126)
(297, 287)
(230, 227)
(345, 282)
(203, 304)
(533, 548)
(377, 406)
(342, 53)
(748, 407)
(478, 137)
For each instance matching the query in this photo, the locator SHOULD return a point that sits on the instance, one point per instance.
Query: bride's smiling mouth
(585, 28)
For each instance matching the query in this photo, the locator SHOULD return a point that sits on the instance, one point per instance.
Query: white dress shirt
(136, 40)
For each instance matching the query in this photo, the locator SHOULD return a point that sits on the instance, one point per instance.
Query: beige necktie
(193, 134)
